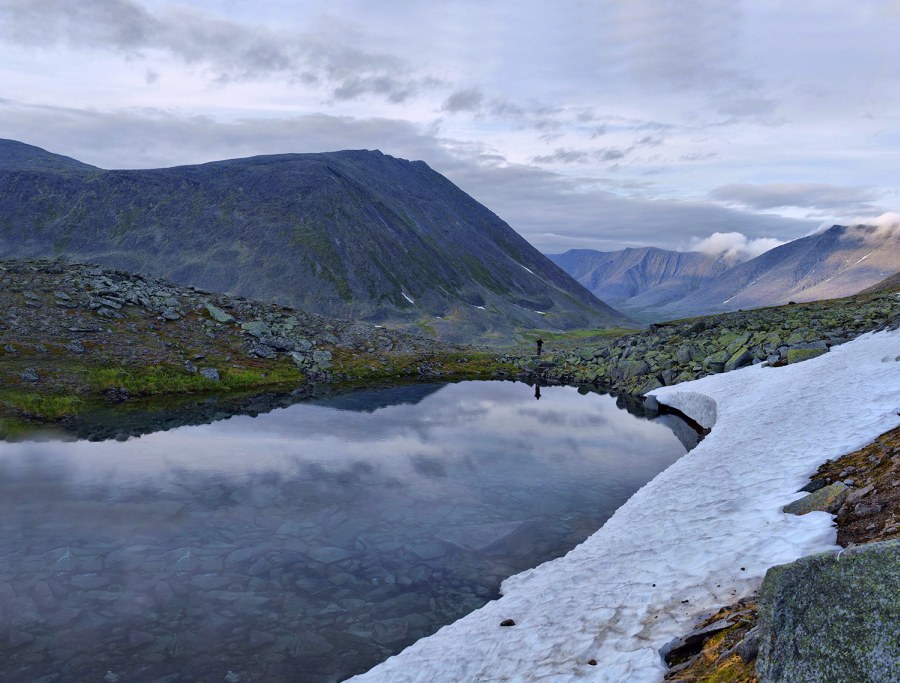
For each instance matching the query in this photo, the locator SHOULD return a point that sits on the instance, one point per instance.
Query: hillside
(354, 234)
(653, 284)
(633, 280)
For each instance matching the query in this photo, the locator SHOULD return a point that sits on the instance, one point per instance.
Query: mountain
(17, 156)
(353, 234)
(654, 284)
(837, 262)
(634, 280)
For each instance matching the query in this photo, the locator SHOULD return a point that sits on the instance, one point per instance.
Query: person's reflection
(537, 392)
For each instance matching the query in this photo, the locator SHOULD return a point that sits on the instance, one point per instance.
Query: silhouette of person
(540, 343)
(537, 392)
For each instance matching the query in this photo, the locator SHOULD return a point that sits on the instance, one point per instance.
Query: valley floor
(700, 535)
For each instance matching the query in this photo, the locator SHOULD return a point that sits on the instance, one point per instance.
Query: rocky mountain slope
(640, 279)
(653, 284)
(354, 234)
(75, 337)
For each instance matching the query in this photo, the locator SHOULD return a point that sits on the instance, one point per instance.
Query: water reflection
(305, 544)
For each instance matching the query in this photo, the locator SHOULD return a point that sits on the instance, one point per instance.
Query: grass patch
(172, 379)
(42, 406)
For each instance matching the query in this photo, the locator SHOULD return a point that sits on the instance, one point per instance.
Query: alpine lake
(306, 542)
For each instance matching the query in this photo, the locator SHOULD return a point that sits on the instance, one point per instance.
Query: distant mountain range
(354, 234)
(653, 284)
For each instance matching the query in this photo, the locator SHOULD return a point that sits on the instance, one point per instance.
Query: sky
(697, 124)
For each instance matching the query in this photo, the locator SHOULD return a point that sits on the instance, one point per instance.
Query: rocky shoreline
(724, 646)
(682, 350)
(72, 335)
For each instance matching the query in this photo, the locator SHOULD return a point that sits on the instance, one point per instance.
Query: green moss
(171, 379)
(41, 406)
(798, 355)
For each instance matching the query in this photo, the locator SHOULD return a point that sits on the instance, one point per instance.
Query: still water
(305, 544)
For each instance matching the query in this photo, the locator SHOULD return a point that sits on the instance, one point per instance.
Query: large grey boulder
(832, 618)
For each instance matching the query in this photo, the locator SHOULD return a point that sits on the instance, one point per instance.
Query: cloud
(887, 225)
(469, 99)
(228, 49)
(819, 196)
(734, 247)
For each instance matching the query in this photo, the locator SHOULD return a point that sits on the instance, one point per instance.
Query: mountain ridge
(833, 263)
(354, 233)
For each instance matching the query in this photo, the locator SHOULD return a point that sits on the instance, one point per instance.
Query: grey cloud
(805, 195)
(469, 99)
(230, 50)
(564, 156)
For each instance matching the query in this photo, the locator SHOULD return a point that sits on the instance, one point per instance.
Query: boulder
(210, 374)
(832, 617)
(218, 314)
(825, 499)
(740, 358)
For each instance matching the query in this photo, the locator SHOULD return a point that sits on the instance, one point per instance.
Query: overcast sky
(593, 123)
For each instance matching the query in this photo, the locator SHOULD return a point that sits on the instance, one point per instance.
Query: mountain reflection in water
(305, 544)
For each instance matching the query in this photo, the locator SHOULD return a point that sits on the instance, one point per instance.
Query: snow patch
(405, 296)
(528, 269)
(481, 308)
(700, 535)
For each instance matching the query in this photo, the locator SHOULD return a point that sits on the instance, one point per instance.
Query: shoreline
(676, 551)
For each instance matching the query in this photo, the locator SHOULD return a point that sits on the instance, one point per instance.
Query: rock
(795, 355)
(863, 509)
(190, 367)
(741, 357)
(748, 648)
(210, 373)
(715, 362)
(75, 346)
(278, 343)
(684, 647)
(257, 328)
(262, 351)
(29, 375)
(218, 314)
(827, 499)
(507, 622)
(832, 617)
(814, 485)
(167, 314)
